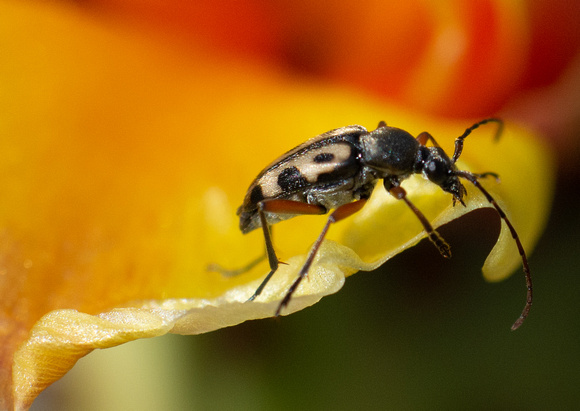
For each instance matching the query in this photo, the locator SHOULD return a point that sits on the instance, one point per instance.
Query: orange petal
(121, 167)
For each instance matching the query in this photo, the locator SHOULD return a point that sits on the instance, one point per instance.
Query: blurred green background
(421, 332)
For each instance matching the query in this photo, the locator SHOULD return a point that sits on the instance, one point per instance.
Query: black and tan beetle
(338, 171)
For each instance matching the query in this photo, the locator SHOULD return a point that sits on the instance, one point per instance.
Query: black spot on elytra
(323, 158)
(256, 195)
(291, 179)
(326, 177)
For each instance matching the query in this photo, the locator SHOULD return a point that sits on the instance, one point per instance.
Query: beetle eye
(437, 171)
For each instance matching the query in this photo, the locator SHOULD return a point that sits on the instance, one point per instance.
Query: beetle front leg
(424, 137)
(400, 194)
(279, 207)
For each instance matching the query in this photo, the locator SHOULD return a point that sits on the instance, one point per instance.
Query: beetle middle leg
(400, 194)
(340, 213)
(279, 207)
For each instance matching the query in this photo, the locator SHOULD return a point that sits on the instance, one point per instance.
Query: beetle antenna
(474, 180)
(459, 140)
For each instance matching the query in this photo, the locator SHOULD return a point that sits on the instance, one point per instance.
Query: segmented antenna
(529, 296)
(459, 140)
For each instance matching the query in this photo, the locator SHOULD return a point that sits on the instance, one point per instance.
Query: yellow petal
(524, 192)
(123, 162)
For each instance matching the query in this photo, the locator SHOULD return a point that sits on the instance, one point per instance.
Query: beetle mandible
(338, 171)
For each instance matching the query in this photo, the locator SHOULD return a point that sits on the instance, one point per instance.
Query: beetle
(338, 171)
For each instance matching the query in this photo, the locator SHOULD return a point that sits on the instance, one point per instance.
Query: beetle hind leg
(270, 252)
(279, 207)
(214, 267)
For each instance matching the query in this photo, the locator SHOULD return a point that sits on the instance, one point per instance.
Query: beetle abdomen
(322, 163)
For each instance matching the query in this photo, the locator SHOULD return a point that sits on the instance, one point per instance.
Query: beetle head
(441, 170)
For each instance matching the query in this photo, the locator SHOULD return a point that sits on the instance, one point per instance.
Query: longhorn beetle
(338, 170)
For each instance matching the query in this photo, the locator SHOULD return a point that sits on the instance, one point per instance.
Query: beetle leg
(488, 174)
(400, 194)
(279, 207)
(529, 296)
(424, 137)
(232, 273)
(235, 272)
(340, 213)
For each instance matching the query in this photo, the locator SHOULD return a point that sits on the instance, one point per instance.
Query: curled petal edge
(61, 337)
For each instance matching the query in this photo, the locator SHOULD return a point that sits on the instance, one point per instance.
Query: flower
(125, 155)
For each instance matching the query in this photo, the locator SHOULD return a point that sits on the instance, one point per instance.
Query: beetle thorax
(390, 151)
